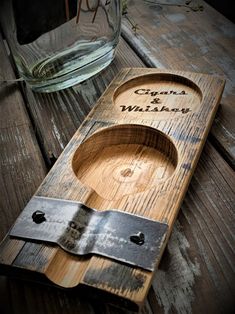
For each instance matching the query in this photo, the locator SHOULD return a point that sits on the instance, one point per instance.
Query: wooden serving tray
(135, 152)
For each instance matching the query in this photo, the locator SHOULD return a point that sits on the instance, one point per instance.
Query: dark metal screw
(38, 217)
(72, 225)
(137, 238)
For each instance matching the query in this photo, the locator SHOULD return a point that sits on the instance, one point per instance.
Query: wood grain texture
(196, 293)
(130, 284)
(177, 38)
(197, 271)
(56, 117)
(22, 170)
(22, 166)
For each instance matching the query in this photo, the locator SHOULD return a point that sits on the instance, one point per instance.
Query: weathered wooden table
(196, 273)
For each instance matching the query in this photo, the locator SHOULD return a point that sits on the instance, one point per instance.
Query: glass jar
(59, 43)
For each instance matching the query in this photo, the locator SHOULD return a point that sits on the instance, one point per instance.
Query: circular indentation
(161, 95)
(124, 159)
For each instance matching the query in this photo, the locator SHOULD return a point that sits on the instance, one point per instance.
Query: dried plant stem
(79, 8)
(79, 5)
(93, 9)
(67, 9)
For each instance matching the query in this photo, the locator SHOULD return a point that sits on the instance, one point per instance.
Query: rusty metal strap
(81, 230)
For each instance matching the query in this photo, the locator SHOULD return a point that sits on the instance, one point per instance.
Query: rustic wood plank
(74, 119)
(173, 37)
(22, 166)
(93, 278)
(197, 272)
(131, 284)
(22, 169)
(16, 292)
(31, 298)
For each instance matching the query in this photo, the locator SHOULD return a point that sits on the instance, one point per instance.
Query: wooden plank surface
(22, 170)
(99, 272)
(22, 165)
(191, 275)
(183, 284)
(211, 196)
(197, 272)
(174, 37)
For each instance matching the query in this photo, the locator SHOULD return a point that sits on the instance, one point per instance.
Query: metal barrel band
(81, 230)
